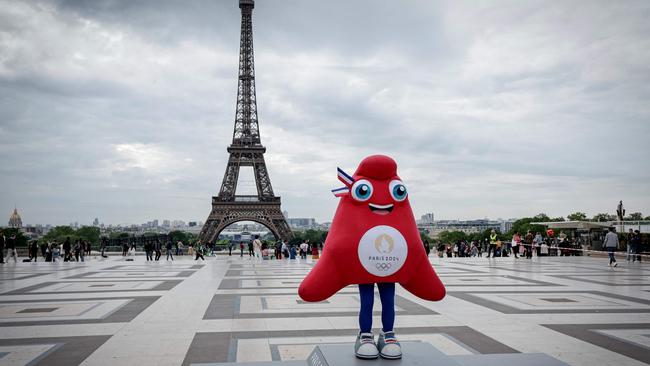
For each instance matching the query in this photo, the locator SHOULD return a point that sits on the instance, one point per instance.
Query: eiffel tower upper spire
(246, 150)
(246, 131)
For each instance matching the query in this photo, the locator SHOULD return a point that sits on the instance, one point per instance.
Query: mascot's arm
(321, 282)
(424, 283)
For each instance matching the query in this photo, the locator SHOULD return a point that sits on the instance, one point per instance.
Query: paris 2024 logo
(382, 250)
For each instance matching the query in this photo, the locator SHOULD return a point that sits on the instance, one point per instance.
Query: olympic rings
(382, 266)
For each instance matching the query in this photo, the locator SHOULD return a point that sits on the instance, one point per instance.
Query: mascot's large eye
(397, 190)
(361, 190)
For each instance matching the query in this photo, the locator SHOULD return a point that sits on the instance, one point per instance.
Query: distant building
(427, 218)
(301, 223)
(96, 221)
(466, 226)
(15, 221)
(506, 225)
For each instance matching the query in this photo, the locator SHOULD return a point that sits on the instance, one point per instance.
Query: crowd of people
(519, 246)
(280, 249)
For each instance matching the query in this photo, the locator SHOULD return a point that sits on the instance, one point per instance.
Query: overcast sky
(123, 110)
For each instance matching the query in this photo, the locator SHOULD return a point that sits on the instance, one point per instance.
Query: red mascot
(373, 239)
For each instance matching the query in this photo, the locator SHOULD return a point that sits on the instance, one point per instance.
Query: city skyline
(124, 110)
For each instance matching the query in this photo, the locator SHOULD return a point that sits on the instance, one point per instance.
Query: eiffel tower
(246, 150)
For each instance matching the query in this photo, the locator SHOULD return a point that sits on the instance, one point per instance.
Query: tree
(177, 235)
(60, 234)
(577, 216)
(451, 236)
(524, 224)
(636, 216)
(604, 217)
(89, 233)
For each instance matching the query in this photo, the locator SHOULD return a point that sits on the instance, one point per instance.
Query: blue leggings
(387, 296)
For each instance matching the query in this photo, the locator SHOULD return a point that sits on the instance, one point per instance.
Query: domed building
(15, 221)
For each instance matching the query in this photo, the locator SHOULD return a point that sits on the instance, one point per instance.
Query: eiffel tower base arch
(226, 213)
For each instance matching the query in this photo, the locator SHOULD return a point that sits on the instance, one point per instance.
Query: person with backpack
(33, 250)
(199, 251)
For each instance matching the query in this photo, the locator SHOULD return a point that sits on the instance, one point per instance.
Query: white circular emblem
(382, 250)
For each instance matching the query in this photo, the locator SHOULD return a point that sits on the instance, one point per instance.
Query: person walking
(257, 247)
(427, 248)
(230, 246)
(157, 247)
(2, 247)
(278, 249)
(314, 252)
(635, 244)
(241, 249)
(102, 246)
(169, 248)
(493, 244)
(82, 249)
(515, 242)
(304, 248)
(530, 243)
(48, 252)
(611, 244)
(148, 250)
(11, 248)
(630, 238)
(285, 249)
(76, 249)
(199, 252)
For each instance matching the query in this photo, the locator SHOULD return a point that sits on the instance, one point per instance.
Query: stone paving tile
(233, 309)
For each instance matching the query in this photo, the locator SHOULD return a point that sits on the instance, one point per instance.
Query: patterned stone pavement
(232, 309)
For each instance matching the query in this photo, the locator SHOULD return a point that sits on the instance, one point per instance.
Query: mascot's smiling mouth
(381, 209)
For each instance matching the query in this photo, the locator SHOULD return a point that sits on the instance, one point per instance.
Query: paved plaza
(229, 309)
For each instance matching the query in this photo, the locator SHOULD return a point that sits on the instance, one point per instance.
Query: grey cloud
(497, 109)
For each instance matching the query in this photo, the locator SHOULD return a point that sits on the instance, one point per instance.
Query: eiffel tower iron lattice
(246, 150)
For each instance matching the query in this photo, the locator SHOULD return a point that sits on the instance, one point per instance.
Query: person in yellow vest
(493, 244)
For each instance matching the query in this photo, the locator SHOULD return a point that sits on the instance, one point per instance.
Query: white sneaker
(388, 345)
(365, 346)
